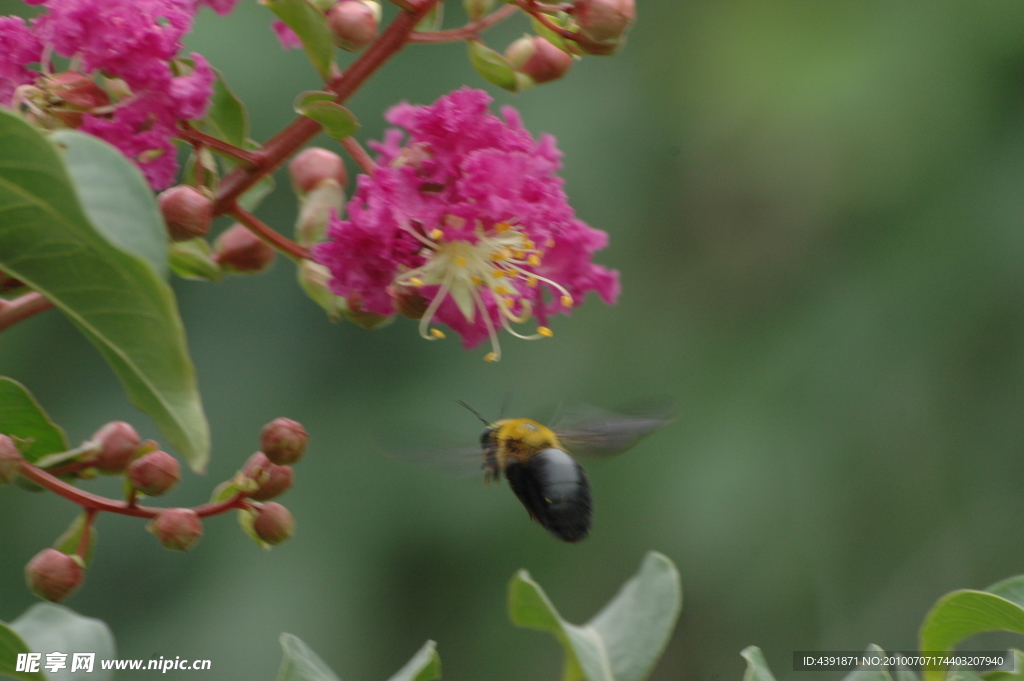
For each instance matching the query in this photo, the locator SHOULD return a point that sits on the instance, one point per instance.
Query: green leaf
(247, 519)
(116, 197)
(191, 260)
(872, 672)
(433, 20)
(1016, 675)
(300, 663)
(310, 24)
(118, 300)
(79, 453)
(964, 613)
(10, 645)
(491, 65)
(69, 541)
(757, 667)
(22, 418)
(47, 628)
(425, 665)
(625, 639)
(227, 118)
(337, 121)
(1012, 589)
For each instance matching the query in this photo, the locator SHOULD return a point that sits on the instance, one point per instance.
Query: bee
(546, 478)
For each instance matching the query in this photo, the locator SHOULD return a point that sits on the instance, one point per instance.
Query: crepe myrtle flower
(466, 223)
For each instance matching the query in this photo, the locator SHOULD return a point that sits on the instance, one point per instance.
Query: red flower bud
(242, 251)
(154, 473)
(10, 460)
(315, 165)
(53, 575)
(178, 529)
(187, 211)
(604, 20)
(274, 523)
(273, 480)
(354, 23)
(118, 442)
(77, 89)
(283, 441)
(537, 58)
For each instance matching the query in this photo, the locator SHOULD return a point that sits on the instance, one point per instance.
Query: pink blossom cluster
(470, 214)
(134, 45)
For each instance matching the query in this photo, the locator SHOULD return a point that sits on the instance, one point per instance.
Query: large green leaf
(117, 299)
(10, 646)
(48, 628)
(964, 613)
(22, 418)
(116, 197)
(491, 65)
(310, 25)
(1017, 667)
(425, 665)
(625, 639)
(300, 663)
(757, 666)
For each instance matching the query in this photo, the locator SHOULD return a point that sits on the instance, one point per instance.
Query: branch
(302, 129)
(537, 12)
(22, 307)
(263, 231)
(467, 32)
(198, 138)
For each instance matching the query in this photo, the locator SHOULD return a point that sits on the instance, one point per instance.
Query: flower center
(502, 260)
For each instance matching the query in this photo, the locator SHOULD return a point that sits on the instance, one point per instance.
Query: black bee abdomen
(555, 491)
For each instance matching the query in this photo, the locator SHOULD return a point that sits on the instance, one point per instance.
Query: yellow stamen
(497, 274)
(502, 227)
(460, 261)
(545, 331)
(519, 254)
(567, 301)
(501, 289)
(491, 357)
(529, 245)
(533, 260)
(436, 234)
(532, 282)
(437, 333)
(508, 302)
(416, 281)
(477, 281)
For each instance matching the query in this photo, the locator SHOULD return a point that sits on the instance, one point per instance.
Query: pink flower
(286, 36)
(18, 47)
(221, 7)
(469, 214)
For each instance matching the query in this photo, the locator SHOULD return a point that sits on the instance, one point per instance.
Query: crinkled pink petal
(18, 48)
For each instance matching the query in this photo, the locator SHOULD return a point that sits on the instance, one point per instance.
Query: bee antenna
(486, 422)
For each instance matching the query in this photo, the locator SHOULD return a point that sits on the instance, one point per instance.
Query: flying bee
(535, 459)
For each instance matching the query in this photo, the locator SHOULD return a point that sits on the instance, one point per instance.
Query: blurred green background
(817, 211)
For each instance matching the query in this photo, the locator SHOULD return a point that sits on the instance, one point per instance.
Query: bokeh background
(818, 212)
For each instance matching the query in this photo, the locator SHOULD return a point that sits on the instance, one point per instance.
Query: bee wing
(444, 452)
(590, 431)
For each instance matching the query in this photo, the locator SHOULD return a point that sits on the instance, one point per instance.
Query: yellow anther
(477, 281)
(545, 331)
(501, 289)
(502, 227)
(416, 281)
(533, 260)
(460, 261)
(532, 281)
(529, 245)
(508, 302)
(567, 301)
(498, 255)
(497, 274)
(436, 234)
(437, 333)
(491, 357)
(519, 254)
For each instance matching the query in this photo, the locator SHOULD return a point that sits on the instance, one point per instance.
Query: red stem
(466, 32)
(198, 138)
(23, 307)
(530, 8)
(93, 503)
(83, 541)
(302, 129)
(359, 155)
(263, 231)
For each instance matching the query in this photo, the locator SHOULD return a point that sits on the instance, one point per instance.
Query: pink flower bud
(604, 20)
(274, 523)
(354, 23)
(118, 442)
(313, 166)
(53, 575)
(154, 473)
(273, 480)
(242, 251)
(283, 441)
(187, 211)
(78, 90)
(178, 529)
(10, 460)
(537, 58)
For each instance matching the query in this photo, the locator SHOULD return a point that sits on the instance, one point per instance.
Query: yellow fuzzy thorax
(522, 438)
